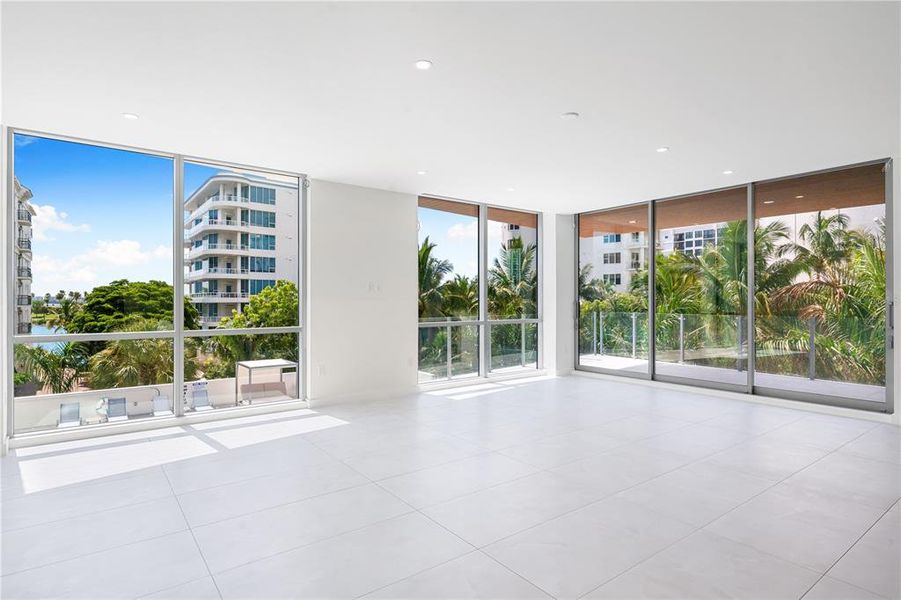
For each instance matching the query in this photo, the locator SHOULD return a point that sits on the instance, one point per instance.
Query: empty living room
(450, 300)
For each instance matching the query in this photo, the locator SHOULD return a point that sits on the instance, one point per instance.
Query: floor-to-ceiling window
(796, 307)
(478, 290)
(137, 292)
(512, 289)
(701, 291)
(820, 310)
(613, 290)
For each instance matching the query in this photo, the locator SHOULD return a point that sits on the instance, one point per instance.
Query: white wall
(565, 247)
(362, 279)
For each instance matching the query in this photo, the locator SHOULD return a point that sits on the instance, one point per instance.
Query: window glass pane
(465, 351)
(514, 346)
(63, 385)
(432, 353)
(225, 371)
(701, 326)
(448, 260)
(512, 264)
(613, 296)
(820, 284)
(241, 247)
(436, 344)
(93, 238)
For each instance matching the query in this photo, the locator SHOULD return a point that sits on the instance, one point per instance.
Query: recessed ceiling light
(422, 172)
(662, 149)
(728, 172)
(569, 116)
(833, 208)
(510, 189)
(130, 116)
(423, 65)
(768, 201)
(632, 222)
(799, 196)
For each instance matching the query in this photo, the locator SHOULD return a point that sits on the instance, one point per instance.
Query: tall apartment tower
(24, 214)
(240, 237)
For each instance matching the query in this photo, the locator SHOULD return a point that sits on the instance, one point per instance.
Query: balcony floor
(840, 389)
(529, 488)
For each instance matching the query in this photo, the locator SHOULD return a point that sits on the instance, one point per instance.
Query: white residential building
(232, 222)
(24, 215)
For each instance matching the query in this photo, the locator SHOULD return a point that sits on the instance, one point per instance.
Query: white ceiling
(330, 90)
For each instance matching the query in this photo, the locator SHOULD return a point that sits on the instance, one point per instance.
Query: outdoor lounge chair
(116, 410)
(200, 400)
(69, 414)
(161, 406)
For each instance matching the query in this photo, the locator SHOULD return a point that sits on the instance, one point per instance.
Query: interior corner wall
(362, 278)
(565, 249)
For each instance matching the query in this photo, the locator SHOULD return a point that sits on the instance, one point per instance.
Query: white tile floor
(567, 488)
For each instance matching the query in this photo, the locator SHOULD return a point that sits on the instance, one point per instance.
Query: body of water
(43, 330)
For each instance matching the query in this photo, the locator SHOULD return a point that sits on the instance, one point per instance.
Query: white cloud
(460, 231)
(107, 261)
(47, 219)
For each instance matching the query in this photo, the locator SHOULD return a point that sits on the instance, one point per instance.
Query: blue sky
(457, 237)
(102, 214)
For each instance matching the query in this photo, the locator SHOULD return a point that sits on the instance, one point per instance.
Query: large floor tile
(53, 542)
(767, 458)
(349, 565)
(697, 493)
(822, 431)
(621, 468)
(874, 563)
(233, 499)
(227, 544)
(708, 566)
(555, 450)
(473, 576)
(573, 554)
(880, 443)
(199, 589)
(83, 499)
(233, 466)
(377, 464)
(803, 526)
(873, 482)
(125, 572)
(494, 513)
(833, 589)
(448, 481)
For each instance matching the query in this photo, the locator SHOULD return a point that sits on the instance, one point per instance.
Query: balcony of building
(23, 272)
(23, 216)
(230, 297)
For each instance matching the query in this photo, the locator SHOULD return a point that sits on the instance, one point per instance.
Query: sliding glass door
(796, 307)
(701, 285)
(613, 291)
(820, 322)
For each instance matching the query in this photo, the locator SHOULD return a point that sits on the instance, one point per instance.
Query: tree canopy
(111, 307)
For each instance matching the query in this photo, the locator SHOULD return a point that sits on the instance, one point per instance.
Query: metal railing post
(522, 346)
(812, 350)
(601, 333)
(740, 337)
(634, 332)
(681, 338)
(594, 332)
(449, 352)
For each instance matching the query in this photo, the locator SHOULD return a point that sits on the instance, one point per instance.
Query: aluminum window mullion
(178, 275)
(652, 290)
(751, 285)
(9, 237)
(484, 333)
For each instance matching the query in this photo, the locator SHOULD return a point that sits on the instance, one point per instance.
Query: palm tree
(61, 316)
(57, 369)
(127, 363)
(513, 282)
(431, 275)
(460, 297)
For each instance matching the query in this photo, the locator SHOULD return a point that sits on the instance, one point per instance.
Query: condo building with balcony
(240, 237)
(24, 216)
